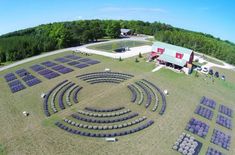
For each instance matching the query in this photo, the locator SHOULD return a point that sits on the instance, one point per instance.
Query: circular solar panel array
(105, 123)
(100, 122)
(105, 77)
(67, 88)
(146, 92)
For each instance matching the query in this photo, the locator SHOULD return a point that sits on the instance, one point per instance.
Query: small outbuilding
(125, 32)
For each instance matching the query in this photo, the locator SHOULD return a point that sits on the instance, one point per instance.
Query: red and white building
(175, 56)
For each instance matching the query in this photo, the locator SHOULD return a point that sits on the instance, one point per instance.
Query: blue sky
(216, 17)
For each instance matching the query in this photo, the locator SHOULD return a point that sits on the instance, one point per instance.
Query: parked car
(211, 71)
(216, 74)
(223, 77)
(199, 68)
(205, 70)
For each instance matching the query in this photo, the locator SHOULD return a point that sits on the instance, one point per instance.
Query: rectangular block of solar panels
(62, 69)
(48, 63)
(10, 77)
(93, 62)
(58, 67)
(37, 68)
(14, 83)
(208, 102)
(81, 66)
(51, 75)
(45, 71)
(226, 110)
(84, 60)
(33, 82)
(73, 63)
(73, 57)
(9, 74)
(28, 77)
(62, 60)
(65, 70)
(22, 72)
(17, 88)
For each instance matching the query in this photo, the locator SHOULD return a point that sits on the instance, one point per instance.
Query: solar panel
(48, 63)
(62, 60)
(81, 66)
(73, 57)
(37, 68)
(73, 63)
(14, 83)
(10, 77)
(65, 70)
(92, 62)
(58, 67)
(84, 60)
(33, 82)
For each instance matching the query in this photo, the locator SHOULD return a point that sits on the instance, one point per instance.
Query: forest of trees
(43, 38)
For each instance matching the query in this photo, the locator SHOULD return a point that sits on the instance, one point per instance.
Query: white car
(199, 68)
(205, 70)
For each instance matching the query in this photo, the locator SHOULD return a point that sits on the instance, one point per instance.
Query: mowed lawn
(110, 47)
(36, 134)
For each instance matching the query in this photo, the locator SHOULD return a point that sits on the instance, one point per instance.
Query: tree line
(43, 38)
(203, 43)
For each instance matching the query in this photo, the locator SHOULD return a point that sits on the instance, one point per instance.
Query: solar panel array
(48, 72)
(16, 85)
(50, 69)
(10, 77)
(206, 109)
(80, 62)
(47, 69)
(62, 69)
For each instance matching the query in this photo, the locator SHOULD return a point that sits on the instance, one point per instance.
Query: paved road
(35, 58)
(132, 52)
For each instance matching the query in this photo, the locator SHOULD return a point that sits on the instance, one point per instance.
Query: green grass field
(110, 47)
(36, 134)
(210, 59)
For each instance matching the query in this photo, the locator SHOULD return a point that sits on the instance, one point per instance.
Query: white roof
(125, 30)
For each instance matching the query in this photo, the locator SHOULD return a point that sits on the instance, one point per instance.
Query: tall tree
(113, 29)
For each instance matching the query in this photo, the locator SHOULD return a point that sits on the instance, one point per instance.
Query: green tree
(113, 30)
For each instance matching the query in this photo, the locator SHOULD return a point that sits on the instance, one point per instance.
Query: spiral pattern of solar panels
(102, 122)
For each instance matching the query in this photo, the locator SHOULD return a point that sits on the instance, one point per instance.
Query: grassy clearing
(2, 150)
(110, 47)
(36, 134)
(229, 74)
(213, 61)
(210, 59)
(198, 63)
